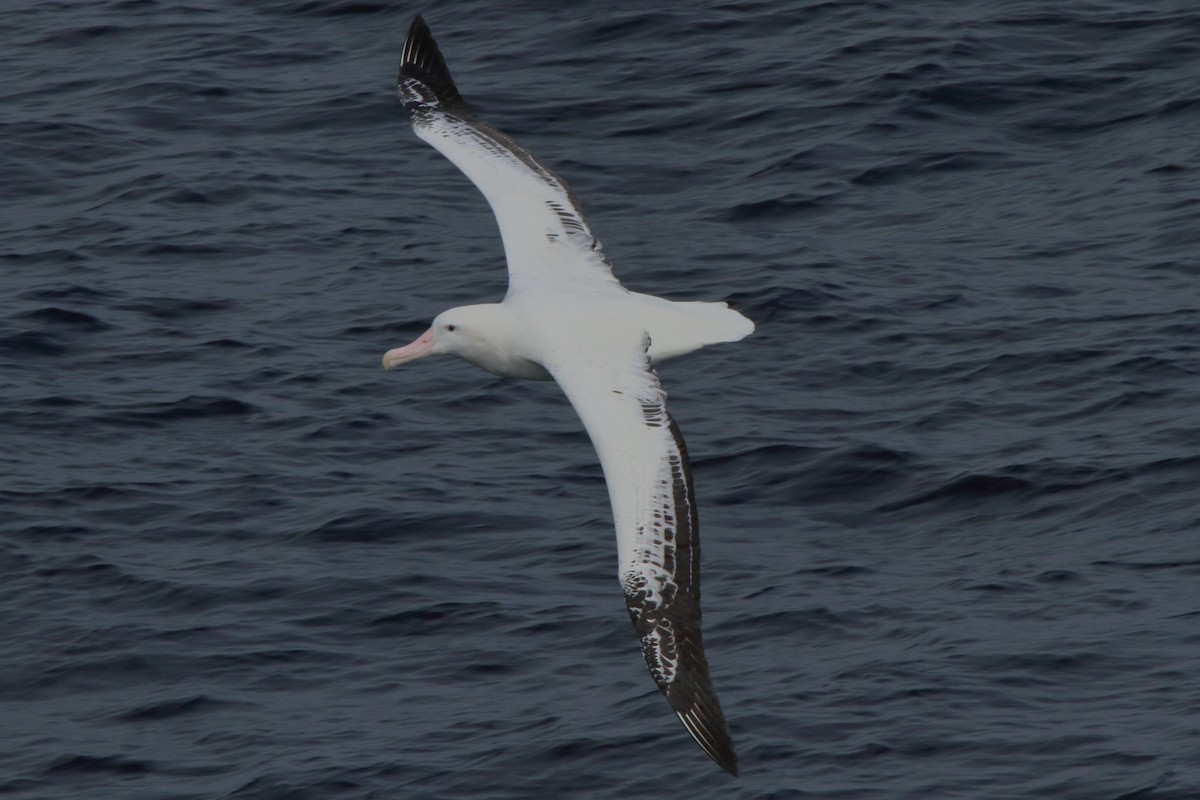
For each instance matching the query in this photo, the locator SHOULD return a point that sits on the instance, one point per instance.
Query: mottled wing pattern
(623, 407)
(546, 238)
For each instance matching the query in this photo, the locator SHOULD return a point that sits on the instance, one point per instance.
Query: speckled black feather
(676, 624)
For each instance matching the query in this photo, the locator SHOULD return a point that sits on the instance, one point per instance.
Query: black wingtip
(708, 727)
(422, 61)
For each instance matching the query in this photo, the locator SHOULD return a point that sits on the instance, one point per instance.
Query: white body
(526, 332)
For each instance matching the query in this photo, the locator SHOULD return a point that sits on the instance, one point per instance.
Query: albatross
(567, 318)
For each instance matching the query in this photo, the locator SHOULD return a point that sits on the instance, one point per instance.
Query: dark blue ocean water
(948, 490)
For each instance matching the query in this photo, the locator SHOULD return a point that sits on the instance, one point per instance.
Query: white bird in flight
(567, 318)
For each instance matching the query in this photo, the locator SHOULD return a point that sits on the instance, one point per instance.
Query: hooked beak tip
(422, 347)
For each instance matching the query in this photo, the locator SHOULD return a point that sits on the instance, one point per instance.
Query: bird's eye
(451, 328)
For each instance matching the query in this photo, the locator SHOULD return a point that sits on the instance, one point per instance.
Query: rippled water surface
(948, 489)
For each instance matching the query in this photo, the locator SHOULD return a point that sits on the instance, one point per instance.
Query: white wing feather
(546, 239)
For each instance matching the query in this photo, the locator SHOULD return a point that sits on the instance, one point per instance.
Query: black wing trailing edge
(421, 61)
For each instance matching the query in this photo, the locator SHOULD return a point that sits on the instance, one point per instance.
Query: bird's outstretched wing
(546, 239)
(623, 407)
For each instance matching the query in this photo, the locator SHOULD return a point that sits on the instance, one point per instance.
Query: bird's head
(465, 332)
